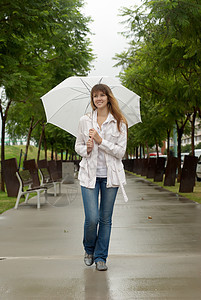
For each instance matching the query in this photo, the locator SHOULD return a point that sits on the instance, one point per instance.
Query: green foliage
(163, 62)
(41, 44)
(58, 139)
(19, 117)
(198, 146)
(41, 41)
(186, 148)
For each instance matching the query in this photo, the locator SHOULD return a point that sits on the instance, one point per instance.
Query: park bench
(48, 181)
(26, 180)
(48, 174)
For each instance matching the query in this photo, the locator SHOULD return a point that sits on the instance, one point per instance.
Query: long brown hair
(113, 105)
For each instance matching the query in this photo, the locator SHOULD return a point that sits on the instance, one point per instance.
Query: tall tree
(166, 37)
(41, 43)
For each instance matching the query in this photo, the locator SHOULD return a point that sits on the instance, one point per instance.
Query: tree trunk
(136, 149)
(3, 130)
(157, 152)
(140, 151)
(62, 154)
(45, 144)
(143, 151)
(193, 132)
(180, 131)
(147, 149)
(40, 141)
(168, 143)
(52, 153)
(2, 153)
(29, 136)
(66, 154)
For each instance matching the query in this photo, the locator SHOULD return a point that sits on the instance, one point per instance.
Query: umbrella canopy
(68, 101)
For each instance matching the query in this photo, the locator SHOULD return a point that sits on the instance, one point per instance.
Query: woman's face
(100, 99)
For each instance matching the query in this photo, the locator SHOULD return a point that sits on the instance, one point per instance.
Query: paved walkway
(41, 254)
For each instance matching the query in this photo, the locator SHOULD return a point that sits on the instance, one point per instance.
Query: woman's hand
(95, 136)
(90, 145)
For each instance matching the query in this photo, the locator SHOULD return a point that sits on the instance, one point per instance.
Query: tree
(58, 140)
(41, 43)
(161, 40)
(154, 89)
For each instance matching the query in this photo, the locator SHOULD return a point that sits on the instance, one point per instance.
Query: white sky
(107, 42)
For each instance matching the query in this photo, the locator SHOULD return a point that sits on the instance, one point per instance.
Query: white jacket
(113, 144)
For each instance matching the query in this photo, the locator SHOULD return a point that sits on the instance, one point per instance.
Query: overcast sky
(106, 41)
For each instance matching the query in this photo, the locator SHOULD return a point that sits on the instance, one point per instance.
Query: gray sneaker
(88, 259)
(101, 266)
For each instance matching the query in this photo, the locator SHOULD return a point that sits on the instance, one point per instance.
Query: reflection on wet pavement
(155, 250)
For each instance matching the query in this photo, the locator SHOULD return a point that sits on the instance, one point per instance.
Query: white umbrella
(68, 101)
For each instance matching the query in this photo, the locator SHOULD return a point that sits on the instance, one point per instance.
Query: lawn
(6, 202)
(195, 196)
(13, 151)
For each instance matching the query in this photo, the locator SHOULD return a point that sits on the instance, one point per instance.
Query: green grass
(6, 202)
(14, 152)
(195, 196)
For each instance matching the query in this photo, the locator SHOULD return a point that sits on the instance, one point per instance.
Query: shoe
(88, 259)
(101, 266)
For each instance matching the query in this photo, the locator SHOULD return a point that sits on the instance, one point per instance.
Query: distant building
(186, 140)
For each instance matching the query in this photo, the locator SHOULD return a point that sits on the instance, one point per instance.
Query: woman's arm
(118, 148)
(80, 145)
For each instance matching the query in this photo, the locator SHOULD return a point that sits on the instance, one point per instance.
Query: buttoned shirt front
(101, 170)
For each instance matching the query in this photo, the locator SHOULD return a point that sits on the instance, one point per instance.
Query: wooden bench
(25, 180)
(47, 180)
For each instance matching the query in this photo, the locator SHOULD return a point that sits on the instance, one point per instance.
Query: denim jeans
(98, 218)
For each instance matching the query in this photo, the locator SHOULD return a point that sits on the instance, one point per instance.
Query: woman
(101, 141)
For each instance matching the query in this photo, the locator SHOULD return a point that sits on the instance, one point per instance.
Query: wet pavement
(155, 249)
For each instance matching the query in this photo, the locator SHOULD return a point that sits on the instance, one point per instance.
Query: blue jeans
(98, 218)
